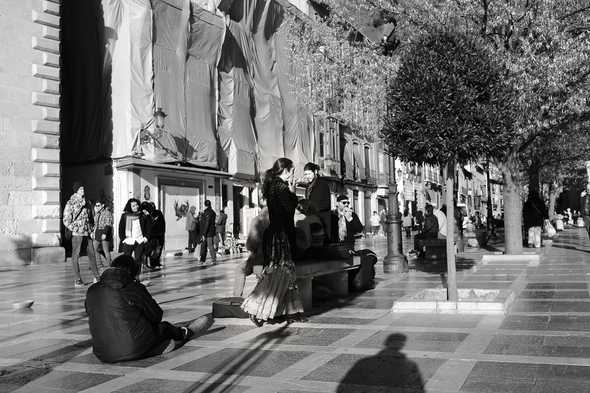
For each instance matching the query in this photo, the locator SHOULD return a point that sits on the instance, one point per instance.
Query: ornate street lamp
(395, 261)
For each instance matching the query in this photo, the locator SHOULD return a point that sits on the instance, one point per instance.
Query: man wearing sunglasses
(346, 225)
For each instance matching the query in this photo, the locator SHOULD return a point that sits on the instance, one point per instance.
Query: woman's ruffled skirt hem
(276, 295)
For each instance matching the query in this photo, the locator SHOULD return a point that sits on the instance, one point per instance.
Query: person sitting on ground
(430, 229)
(126, 322)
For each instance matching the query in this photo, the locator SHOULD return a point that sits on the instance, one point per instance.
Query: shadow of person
(388, 371)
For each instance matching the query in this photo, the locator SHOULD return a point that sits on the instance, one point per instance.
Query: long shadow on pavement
(389, 369)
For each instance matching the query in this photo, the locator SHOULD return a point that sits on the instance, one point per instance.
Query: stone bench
(337, 270)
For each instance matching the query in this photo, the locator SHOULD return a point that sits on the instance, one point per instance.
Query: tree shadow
(223, 378)
(388, 371)
(18, 375)
(438, 266)
(570, 248)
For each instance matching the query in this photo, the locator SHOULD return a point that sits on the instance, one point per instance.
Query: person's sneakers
(79, 284)
(187, 333)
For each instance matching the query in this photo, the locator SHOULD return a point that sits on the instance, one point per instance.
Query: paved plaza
(349, 345)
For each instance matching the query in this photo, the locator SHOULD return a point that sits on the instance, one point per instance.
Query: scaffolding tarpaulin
(207, 31)
(298, 140)
(169, 51)
(235, 128)
(257, 23)
(129, 23)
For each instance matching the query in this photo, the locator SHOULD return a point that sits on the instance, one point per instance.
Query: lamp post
(394, 261)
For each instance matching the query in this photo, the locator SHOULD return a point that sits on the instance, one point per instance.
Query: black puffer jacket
(123, 317)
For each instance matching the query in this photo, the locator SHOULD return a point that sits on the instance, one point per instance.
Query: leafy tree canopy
(448, 102)
(544, 46)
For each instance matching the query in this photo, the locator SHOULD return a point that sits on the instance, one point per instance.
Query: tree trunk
(512, 212)
(449, 200)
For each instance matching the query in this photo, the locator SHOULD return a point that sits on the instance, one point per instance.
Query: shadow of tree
(388, 371)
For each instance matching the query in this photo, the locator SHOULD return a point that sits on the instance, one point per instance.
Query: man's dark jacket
(353, 227)
(207, 223)
(319, 196)
(123, 317)
(534, 212)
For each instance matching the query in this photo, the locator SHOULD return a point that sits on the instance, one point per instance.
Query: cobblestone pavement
(349, 345)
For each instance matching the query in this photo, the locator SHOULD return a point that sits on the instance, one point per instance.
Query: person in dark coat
(318, 194)
(276, 295)
(534, 214)
(126, 322)
(585, 208)
(429, 230)
(207, 225)
(157, 232)
(133, 230)
(346, 225)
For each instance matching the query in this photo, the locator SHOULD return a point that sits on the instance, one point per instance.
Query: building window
(321, 144)
(367, 162)
(355, 164)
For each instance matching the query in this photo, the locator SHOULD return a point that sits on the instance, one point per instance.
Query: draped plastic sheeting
(207, 31)
(170, 46)
(298, 140)
(132, 94)
(258, 21)
(235, 128)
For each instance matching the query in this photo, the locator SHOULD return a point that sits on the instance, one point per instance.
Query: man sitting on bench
(346, 225)
(429, 231)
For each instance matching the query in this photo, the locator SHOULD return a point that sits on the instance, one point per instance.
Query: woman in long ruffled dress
(276, 296)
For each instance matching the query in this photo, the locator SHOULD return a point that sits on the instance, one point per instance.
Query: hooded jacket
(122, 316)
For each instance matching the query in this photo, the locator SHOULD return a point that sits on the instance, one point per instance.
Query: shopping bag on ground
(549, 229)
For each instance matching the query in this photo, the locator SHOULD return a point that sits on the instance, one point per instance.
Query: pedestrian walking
(220, 229)
(276, 296)
(585, 208)
(375, 223)
(207, 232)
(102, 233)
(77, 220)
(407, 223)
(191, 226)
(534, 214)
(383, 221)
(133, 231)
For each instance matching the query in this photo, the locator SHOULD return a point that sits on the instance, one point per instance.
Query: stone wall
(29, 131)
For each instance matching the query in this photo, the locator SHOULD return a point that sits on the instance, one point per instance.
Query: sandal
(256, 321)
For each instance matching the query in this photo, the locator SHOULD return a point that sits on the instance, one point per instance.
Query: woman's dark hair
(279, 166)
(147, 207)
(127, 208)
(127, 263)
